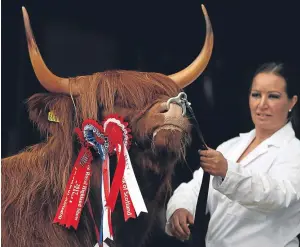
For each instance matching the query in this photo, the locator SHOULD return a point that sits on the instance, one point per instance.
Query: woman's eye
(274, 96)
(255, 95)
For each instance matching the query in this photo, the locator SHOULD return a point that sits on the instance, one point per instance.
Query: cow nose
(174, 109)
(163, 108)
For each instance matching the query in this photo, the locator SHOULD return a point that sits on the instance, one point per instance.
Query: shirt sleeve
(264, 192)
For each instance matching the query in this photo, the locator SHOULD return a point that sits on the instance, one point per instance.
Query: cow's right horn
(186, 76)
(48, 80)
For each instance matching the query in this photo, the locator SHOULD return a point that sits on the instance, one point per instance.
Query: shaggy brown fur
(33, 181)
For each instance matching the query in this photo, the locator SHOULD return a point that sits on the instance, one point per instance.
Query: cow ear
(52, 113)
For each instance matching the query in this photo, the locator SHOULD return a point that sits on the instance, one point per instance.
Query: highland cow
(33, 181)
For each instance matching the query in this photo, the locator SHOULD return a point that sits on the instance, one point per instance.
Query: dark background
(77, 37)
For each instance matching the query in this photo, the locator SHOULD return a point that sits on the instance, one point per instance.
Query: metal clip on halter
(181, 100)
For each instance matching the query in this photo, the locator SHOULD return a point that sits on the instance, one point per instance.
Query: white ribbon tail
(106, 232)
(133, 187)
(104, 245)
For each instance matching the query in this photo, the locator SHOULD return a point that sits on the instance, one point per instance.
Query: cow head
(140, 97)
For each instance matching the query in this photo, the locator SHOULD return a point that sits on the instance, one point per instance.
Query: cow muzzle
(175, 114)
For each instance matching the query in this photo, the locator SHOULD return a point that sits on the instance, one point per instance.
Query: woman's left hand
(213, 162)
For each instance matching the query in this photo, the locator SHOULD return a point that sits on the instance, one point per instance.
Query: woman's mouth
(263, 115)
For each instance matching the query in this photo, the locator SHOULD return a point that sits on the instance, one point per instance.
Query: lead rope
(197, 238)
(197, 230)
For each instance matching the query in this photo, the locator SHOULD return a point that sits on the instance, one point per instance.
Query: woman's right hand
(179, 221)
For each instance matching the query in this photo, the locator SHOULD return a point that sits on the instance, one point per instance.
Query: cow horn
(48, 80)
(186, 76)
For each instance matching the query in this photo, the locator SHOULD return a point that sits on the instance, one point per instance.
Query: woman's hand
(179, 221)
(213, 162)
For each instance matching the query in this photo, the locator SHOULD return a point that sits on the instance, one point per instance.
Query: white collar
(280, 137)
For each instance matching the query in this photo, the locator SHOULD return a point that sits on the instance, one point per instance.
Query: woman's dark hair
(288, 73)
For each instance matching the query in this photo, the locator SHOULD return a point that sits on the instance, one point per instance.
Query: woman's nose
(263, 102)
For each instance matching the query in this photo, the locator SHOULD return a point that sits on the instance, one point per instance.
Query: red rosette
(117, 131)
(94, 123)
(98, 127)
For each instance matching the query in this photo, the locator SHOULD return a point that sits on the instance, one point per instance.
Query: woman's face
(269, 103)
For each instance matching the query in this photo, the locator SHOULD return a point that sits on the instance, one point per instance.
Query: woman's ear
(293, 101)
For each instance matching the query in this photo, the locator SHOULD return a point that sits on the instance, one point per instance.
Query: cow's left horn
(48, 80)
(186, 76)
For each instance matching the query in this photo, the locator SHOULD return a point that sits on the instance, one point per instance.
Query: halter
(181, 100)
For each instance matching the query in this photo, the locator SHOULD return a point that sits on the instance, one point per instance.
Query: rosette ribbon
(124, 180)
(110, 137)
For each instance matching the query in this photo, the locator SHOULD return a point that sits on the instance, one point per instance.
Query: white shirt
(258, 203)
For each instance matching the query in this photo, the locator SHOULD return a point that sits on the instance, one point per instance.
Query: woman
(254, 193)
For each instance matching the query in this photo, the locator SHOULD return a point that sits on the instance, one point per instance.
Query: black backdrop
(77, 37)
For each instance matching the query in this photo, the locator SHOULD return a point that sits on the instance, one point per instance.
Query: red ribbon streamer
(117, 180)
(72, 203)
(119, 184)
(128, 208)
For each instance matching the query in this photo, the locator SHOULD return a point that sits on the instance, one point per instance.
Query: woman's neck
(263, 134)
